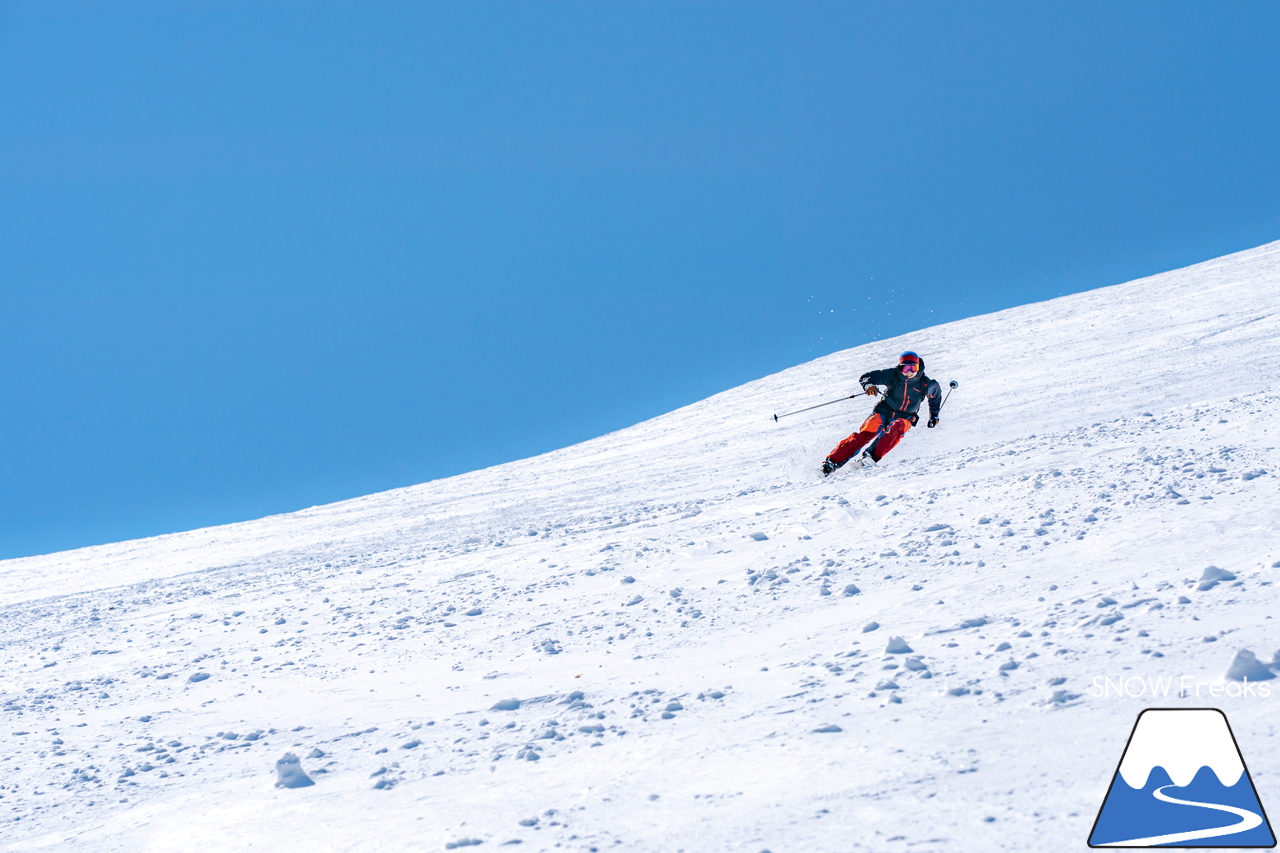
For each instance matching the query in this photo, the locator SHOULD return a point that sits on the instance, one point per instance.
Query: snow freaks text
(1183, 686)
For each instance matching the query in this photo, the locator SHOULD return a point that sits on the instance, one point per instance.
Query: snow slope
(702, 637)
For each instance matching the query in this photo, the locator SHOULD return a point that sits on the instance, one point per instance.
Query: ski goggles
(909, 367)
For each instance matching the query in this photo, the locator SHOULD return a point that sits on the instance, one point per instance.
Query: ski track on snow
(685, 616)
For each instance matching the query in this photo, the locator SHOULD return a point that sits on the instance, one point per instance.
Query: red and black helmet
(909, 357)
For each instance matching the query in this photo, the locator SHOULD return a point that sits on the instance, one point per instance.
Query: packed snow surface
(677, 637)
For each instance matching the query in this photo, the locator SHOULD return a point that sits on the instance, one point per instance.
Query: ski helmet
(909, 357)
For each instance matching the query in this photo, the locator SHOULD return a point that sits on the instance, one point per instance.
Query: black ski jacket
(903, 396)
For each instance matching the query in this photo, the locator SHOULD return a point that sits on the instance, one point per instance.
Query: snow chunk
(1211, 577)
(898, 646)
(1247, 667)
(291, 775)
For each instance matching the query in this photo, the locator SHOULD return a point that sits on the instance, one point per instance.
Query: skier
(906, 387)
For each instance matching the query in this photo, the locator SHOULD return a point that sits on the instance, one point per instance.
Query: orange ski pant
(892, 434)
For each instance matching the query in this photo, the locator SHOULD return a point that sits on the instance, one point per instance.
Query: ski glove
(933, 422)
(872, 390)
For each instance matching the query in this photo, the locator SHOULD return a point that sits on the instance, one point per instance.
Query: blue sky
(260, 256)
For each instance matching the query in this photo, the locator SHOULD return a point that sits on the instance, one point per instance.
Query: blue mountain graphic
(1131, 813)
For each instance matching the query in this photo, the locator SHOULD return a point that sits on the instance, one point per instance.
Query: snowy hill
(685, 616)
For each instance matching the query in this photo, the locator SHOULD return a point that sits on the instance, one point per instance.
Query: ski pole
(952, 385)
(819, 406)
